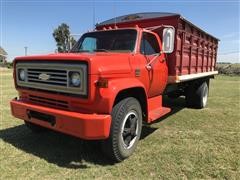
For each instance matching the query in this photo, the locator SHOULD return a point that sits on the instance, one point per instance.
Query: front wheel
(125, 129)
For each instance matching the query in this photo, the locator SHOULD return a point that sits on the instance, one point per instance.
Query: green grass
(187, 144)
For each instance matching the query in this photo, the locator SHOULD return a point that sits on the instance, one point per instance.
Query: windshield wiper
(101, 50)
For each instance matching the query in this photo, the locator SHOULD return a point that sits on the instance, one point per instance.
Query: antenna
(93, 14)
(1, 20)
(115, 16)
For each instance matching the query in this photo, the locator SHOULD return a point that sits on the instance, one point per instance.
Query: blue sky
(31, 22)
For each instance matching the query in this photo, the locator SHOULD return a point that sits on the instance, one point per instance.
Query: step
(155, 114)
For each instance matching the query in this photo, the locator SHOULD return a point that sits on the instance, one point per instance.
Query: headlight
(75, 79)
(21, 75)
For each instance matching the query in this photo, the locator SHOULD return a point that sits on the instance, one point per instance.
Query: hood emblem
(44, 76)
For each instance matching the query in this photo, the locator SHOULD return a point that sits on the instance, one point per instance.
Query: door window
(149, 44)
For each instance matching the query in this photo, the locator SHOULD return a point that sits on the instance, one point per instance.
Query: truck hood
(99, 63)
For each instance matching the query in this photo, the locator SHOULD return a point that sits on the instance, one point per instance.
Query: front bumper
(84, 126)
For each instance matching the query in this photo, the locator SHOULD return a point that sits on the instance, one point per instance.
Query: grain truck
(114, 78)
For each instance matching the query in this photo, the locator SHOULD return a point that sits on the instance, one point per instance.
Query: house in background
(3, 56)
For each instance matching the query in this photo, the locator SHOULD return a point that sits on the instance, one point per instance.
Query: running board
(155, 114)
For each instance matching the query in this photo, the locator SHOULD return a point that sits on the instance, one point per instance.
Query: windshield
(115, 40)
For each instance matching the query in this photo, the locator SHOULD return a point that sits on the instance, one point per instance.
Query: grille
(49, 102)
(56, 77)
(52, 76)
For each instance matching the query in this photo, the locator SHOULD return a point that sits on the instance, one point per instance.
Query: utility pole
(26, 48)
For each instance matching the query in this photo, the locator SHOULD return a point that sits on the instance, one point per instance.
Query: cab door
(153, 63)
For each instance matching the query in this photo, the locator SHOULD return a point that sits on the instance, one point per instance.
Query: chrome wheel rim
(129, 130)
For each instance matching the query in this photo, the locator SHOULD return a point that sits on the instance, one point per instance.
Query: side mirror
(168, 40)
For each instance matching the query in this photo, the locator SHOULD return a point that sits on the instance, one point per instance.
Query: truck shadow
(62, 150)
(66, 151)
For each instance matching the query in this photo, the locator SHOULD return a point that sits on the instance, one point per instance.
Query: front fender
(114, 87)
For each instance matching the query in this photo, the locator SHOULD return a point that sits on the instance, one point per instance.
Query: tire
(125, 130)
(35, 128)
(197, 95)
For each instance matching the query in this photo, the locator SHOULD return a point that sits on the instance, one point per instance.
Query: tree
(63, 38)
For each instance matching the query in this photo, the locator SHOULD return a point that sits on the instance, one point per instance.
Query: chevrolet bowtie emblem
(43, 76)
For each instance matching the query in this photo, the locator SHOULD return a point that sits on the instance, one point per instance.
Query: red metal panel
(197, 50)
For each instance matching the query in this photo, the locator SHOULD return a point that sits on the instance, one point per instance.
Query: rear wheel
(35, 128)
(125, 129)
(197, 95)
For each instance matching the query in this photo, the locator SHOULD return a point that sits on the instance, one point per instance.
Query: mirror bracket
(149, 65)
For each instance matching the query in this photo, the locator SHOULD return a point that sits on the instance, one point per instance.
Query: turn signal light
(102, 83)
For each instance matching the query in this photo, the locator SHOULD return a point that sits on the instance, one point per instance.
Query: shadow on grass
(66, 151)
(60, 149)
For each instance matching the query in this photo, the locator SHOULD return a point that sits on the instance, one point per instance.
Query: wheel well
(181, 88)
(197, 82)
(137, 93)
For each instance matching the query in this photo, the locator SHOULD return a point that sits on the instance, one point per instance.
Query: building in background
(3, 56)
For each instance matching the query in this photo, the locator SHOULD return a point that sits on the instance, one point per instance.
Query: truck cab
(143, 49)
(111, 82)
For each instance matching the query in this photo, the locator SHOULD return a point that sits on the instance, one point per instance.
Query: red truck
(114, 79)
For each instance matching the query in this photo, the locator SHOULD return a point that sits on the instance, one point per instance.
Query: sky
(30, 23)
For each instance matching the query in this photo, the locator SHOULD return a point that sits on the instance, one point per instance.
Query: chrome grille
(56, 77)
(52, 76)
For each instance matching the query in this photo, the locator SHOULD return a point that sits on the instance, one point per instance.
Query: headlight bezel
(21, 74)
(78, 80)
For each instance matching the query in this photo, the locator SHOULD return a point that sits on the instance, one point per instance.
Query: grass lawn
(187, 144)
